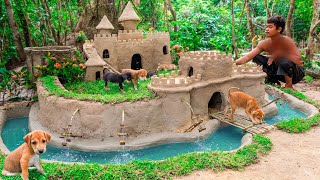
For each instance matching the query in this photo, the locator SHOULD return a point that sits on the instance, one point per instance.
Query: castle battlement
(158, 35)
(129, 31)
(112, 37)
(206, 55)
(173, 80)
(247, 69)
(133, 42)
(130, 34)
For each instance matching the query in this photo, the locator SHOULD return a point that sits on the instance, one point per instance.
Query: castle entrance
(215, 103)
(136, 62)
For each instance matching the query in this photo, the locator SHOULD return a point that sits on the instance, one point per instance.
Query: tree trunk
(25, 26)
(89, 18)
(46, 8)
(33, 43)
(235, 48)
(15, 31)
(289, 18)
(250, 24)
(165, 14)
(314, 23)
(266, 5)
(174, 15)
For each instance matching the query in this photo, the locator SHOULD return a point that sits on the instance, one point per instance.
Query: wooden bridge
(242, 122)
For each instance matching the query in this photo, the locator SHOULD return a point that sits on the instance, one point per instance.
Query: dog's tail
(233, 89)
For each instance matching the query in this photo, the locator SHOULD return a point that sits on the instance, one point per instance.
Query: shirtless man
(284, 62)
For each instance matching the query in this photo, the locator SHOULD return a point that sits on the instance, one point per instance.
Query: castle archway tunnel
(136, 63)
(215, 103)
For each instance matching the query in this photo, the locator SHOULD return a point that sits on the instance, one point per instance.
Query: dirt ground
(293, 156)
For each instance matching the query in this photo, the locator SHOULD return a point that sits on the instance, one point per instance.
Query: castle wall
(96, 120)
(143, 47)
(91, 73)
(130, 34)
(129, 25)
(209, 64)
(160, 39)
(104, 41)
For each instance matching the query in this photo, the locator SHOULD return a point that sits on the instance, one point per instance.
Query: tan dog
(249, 103)
(135, 75)
(166, 67)
(27, 155)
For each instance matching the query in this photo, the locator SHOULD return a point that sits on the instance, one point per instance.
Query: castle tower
(95, 68)
(105, 42)
(129, 18)
(104, 27)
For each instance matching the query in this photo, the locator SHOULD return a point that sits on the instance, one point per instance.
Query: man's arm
(249, 56)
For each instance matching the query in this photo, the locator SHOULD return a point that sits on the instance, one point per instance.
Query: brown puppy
(166, 67)
(135, 75)
(27, 155)
(249, 103)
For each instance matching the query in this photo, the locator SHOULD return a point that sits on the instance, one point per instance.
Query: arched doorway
(215, 103)
(98, 75)
(136, 62)
(190, 72)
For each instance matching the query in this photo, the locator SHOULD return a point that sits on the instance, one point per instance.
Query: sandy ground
(293, 156)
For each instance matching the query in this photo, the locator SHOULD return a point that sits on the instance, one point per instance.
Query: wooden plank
(243, 122)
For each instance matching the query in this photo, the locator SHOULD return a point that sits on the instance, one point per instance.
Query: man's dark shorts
(279, 68)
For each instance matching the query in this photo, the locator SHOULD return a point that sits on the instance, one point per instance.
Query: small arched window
(165, 50)
(105, 53)
(190, 73)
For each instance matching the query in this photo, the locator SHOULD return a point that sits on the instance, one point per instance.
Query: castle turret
(129, 18)
(104, 27)
(95, 67)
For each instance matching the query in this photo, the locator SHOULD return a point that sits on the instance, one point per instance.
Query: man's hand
(270, 60)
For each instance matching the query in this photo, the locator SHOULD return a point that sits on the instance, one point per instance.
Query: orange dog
(27, 155)
(249, 103)
(166, 67)
(135, 75)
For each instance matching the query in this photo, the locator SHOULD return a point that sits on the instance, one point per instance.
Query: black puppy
(116, 78)
(150, 74)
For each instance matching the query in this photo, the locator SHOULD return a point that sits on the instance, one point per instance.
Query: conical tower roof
(129, 14)
(105, 23)
(95, 61)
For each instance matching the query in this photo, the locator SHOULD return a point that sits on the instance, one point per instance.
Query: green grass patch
(301, 96)
(95, 91)
(166, 169)
(308, 78)
(299, 125)
(167, 71)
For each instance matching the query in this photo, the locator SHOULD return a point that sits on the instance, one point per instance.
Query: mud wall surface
(98, 120)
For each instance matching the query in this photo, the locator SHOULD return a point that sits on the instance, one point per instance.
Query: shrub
(81, 37)
(67, 70)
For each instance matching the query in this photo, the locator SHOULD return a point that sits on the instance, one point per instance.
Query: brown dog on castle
(249, 103)
(166, 67)
(135, 75)
(27, 155)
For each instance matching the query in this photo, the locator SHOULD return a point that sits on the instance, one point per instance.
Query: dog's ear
(47, 135)
(27, 138)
